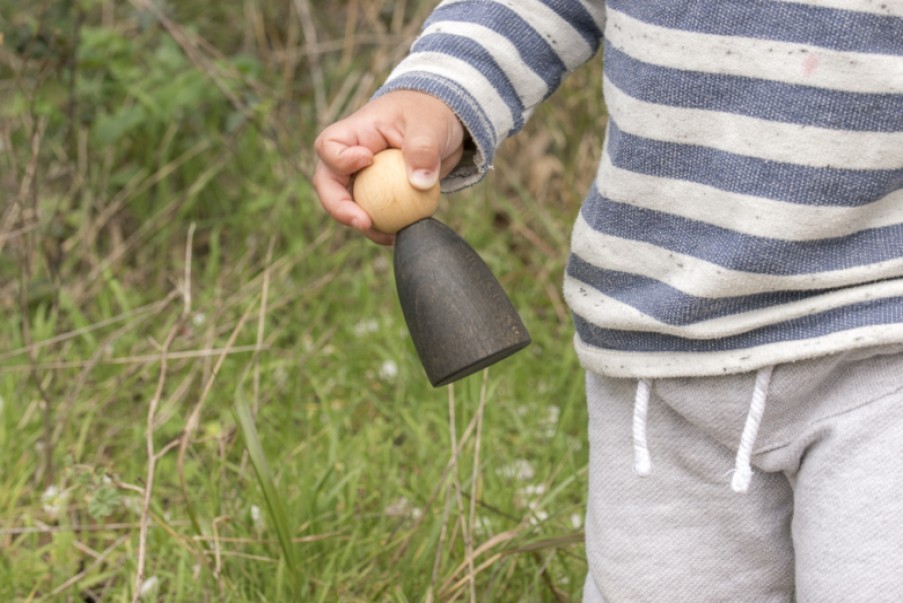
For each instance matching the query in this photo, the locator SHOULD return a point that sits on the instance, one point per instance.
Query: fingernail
(423, 179)
(356, 224)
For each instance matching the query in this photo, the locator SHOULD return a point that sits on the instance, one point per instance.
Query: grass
(207, 392)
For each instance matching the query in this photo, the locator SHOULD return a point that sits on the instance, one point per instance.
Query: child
(736, 272)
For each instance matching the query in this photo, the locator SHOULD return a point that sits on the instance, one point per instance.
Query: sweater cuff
(477, 159)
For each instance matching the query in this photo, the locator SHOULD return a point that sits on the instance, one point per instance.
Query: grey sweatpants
(822, 520)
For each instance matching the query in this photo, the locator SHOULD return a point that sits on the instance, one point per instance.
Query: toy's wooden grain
(459, 317)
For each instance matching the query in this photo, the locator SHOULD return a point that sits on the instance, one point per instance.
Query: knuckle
(320, 144)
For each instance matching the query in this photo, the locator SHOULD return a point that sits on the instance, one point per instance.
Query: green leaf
(276, 507)
(103, 502)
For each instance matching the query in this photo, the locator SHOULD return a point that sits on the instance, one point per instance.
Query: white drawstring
(641, 463)
(743, 469)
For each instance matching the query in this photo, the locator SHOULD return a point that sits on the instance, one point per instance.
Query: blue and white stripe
(748, 207)
(508, 56)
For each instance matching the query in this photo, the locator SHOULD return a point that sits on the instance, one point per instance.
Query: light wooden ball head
(383, 191)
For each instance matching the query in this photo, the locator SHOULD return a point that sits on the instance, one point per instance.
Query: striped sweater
(748, 205)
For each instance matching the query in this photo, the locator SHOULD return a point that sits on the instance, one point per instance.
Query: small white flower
(54, 500)
(520, 469)
(256, 518)
(549, 424)
(576, 520)
(533, 490)
(538, 516)
(366, 326)
(403, 508)
(388, 370)
(198, 319)
(149, 587)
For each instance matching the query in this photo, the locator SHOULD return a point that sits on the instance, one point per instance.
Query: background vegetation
(207, 392)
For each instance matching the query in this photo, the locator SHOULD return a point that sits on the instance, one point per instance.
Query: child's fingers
(450, 162)
(422, 157)
(332, 189)
(379, 237)
(427, 132)
(429, 142)
(342, 156)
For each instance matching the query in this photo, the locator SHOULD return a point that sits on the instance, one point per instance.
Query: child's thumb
(422, 158)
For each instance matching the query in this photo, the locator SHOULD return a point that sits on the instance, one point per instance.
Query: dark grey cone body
(458, 315)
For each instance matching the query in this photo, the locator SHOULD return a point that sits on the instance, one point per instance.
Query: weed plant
(207, 392)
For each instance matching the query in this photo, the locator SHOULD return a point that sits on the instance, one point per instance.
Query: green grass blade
(276, 507)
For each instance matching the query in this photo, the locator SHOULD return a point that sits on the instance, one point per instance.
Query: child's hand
(428, 133)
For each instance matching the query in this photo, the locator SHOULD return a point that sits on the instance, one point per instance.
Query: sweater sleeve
(493, 61)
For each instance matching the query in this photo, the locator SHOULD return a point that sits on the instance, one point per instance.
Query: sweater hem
(660, 365)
